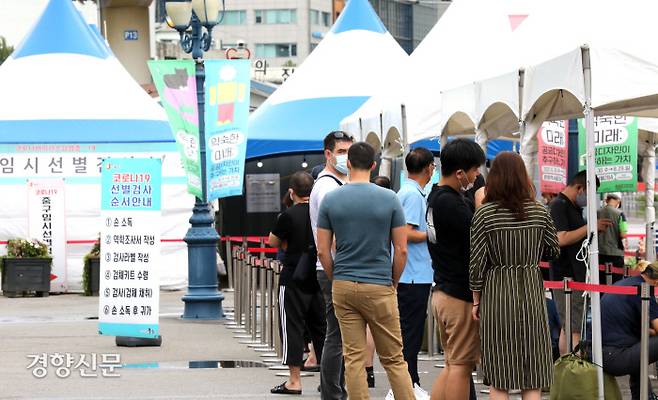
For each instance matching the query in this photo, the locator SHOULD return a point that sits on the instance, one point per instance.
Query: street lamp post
(203, 300)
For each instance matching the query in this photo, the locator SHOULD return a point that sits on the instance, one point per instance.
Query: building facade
(281, 32)
(409, 21)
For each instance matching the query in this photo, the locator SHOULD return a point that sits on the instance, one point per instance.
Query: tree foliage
(5, 49)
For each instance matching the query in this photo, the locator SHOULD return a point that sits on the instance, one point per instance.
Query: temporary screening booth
(66, 105)
(460, 47)
(602, 63)
(347, 67)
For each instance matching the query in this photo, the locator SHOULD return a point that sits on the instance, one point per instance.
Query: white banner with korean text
(47, 223)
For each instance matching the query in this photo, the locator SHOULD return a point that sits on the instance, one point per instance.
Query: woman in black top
(300, 303)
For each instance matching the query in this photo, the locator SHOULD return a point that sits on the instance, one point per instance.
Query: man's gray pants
(332, 377)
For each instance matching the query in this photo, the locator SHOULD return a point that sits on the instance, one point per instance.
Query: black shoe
(282, 389)
(371, 379)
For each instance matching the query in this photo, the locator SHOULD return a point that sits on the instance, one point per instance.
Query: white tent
(349, 65)
(66, 104)
(584, 58)
(461, 47)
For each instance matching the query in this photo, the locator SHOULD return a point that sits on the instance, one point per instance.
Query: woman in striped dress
(510, 233)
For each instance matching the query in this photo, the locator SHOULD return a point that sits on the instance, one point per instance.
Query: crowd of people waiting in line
(361, 263)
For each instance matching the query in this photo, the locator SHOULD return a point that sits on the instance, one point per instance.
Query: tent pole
(482, 140)
(597, 352)
(650, 214)
(405, 137)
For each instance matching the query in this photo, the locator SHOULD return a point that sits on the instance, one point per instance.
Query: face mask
(468, 187)
(581, 199)
(341, 164)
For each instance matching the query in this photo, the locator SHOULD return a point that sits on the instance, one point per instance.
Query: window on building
(234, 17)
(272, 50)
(285, 16)
(326, 19)
(315, 17)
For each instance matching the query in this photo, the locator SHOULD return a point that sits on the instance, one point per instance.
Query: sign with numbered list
(46, 214)
(553, 155)
(615, 152)
(130, 247)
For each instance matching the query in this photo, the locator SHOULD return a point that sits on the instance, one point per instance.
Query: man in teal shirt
(365, 218)
(416, 281)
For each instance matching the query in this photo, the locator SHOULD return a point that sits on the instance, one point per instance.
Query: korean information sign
(552, 154)
(226, 115)
(47, 223)
(130, 247)
(616, 152)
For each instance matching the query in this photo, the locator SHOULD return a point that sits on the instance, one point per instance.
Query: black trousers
(299, 310)
(620, 361)
(412, 303)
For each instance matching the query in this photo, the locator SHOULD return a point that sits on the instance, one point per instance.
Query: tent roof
(64, 85)
(344, 70)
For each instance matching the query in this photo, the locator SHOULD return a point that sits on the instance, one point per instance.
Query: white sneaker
(420, 393)
(389, 395)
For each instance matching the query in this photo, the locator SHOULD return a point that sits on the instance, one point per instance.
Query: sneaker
(420, 393)
(389, 395)
(371, 379)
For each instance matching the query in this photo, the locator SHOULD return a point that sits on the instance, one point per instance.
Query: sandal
(282, 389)
(311, 368)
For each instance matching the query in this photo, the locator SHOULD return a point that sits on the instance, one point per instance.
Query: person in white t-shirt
(333, 176)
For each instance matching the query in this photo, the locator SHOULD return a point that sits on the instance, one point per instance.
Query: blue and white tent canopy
(346, 68)
(63, 85)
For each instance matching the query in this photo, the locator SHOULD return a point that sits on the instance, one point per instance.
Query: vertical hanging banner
(616, 152)
(226, 115)
(47, 223)
(553, 155)
(176, 84)
(130, 247)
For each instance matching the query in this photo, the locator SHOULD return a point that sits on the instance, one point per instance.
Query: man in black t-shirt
(567, 212)
(449, 215)
(299, 302)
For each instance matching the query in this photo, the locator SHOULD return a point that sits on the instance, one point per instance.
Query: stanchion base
(278, 368)
(287, 374)
(426, 358)
(258, 345)
(273, 359)
(228, 290)
(251, 341)
(127, 341)
(264, 349)
(271, 354)
(440, 365)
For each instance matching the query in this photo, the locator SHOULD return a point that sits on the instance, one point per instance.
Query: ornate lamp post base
(203, 300)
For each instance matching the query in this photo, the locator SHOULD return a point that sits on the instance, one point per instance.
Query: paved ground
(60, 324)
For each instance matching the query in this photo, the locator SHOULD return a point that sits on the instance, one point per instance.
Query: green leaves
(5, 50)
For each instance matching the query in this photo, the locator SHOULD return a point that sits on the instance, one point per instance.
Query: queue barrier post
(567, 314)
(608, 273)
(229, 267)
(645, 295)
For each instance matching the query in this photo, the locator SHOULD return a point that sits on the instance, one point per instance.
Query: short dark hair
(461, 154)
(336, 136)
(581, 179)
(418, 159)
(301, 183)
(382, 181)
(361, 155)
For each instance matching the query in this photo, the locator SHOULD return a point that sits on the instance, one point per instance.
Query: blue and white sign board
(130, 35)
(129, 294)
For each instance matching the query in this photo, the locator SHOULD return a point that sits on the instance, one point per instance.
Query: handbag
(575, 376)
(575, 379)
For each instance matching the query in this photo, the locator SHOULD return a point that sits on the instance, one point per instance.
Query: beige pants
(357, 304)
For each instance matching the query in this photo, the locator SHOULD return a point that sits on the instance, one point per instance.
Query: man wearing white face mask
(567, 212)
(449, 214)
(333, 176)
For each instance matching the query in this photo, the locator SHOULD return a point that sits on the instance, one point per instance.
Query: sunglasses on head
(341, 135)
